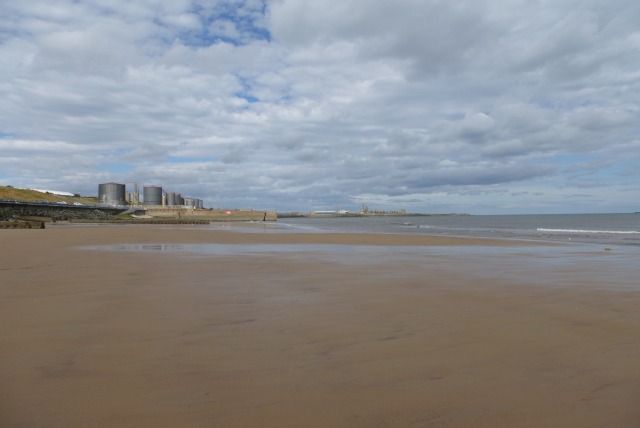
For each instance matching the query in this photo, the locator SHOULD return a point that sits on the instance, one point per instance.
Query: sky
(433, 106)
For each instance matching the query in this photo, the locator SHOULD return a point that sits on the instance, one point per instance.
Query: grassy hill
(8, 192)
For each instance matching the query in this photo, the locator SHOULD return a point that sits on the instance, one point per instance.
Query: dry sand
(304, 339)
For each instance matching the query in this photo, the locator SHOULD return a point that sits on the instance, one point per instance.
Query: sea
(604, 229)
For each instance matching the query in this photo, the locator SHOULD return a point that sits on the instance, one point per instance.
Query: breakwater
(18, 211)
(141, 221)
(21, 224)
(55, 212)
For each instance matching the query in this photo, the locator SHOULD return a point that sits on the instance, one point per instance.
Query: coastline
(442, 338)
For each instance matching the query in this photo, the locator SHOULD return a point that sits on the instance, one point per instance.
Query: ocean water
(605, 229)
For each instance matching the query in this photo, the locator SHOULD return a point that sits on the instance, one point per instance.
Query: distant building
(152, 195)
(112, 194)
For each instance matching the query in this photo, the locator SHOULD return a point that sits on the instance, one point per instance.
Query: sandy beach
(343, 330)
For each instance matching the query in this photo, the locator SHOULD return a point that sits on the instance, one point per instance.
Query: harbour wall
(211, 215)
(53, 212)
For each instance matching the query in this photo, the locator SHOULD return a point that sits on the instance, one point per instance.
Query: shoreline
(461, 332)
(265, 233)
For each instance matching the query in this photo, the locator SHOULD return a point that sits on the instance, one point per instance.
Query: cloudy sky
(479, 106)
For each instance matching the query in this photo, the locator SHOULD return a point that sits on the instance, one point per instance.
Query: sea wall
(12, 212)
(21, 225)
(212, 215)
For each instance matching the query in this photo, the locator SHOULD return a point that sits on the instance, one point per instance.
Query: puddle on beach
(557, 265)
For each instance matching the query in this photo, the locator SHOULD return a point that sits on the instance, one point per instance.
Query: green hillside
(8, 192)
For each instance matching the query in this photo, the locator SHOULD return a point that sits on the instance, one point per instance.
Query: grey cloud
(235, 155)
(433, 34)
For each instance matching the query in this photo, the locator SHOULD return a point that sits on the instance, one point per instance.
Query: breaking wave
(626, 232)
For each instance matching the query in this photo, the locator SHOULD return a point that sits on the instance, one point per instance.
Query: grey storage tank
(152, 195)
(171, 199)
(193, 202)
(174, 199)
(112, 193)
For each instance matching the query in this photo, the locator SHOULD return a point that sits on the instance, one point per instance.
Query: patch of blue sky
(245, 93)
(249, 98)
(244, 19)
(6, 135)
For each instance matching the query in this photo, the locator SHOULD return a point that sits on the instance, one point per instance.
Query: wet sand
(307, 338)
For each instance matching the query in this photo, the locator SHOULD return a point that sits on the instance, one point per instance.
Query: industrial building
(193, 202)
(153, 202)
(174, 199)
(152, 196)
(112, 194)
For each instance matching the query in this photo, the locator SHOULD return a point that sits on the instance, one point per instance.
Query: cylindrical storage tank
(152, 195)
(171, 199)
(200, 203)
(190, 202)
(111, 193)
(179, 199)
